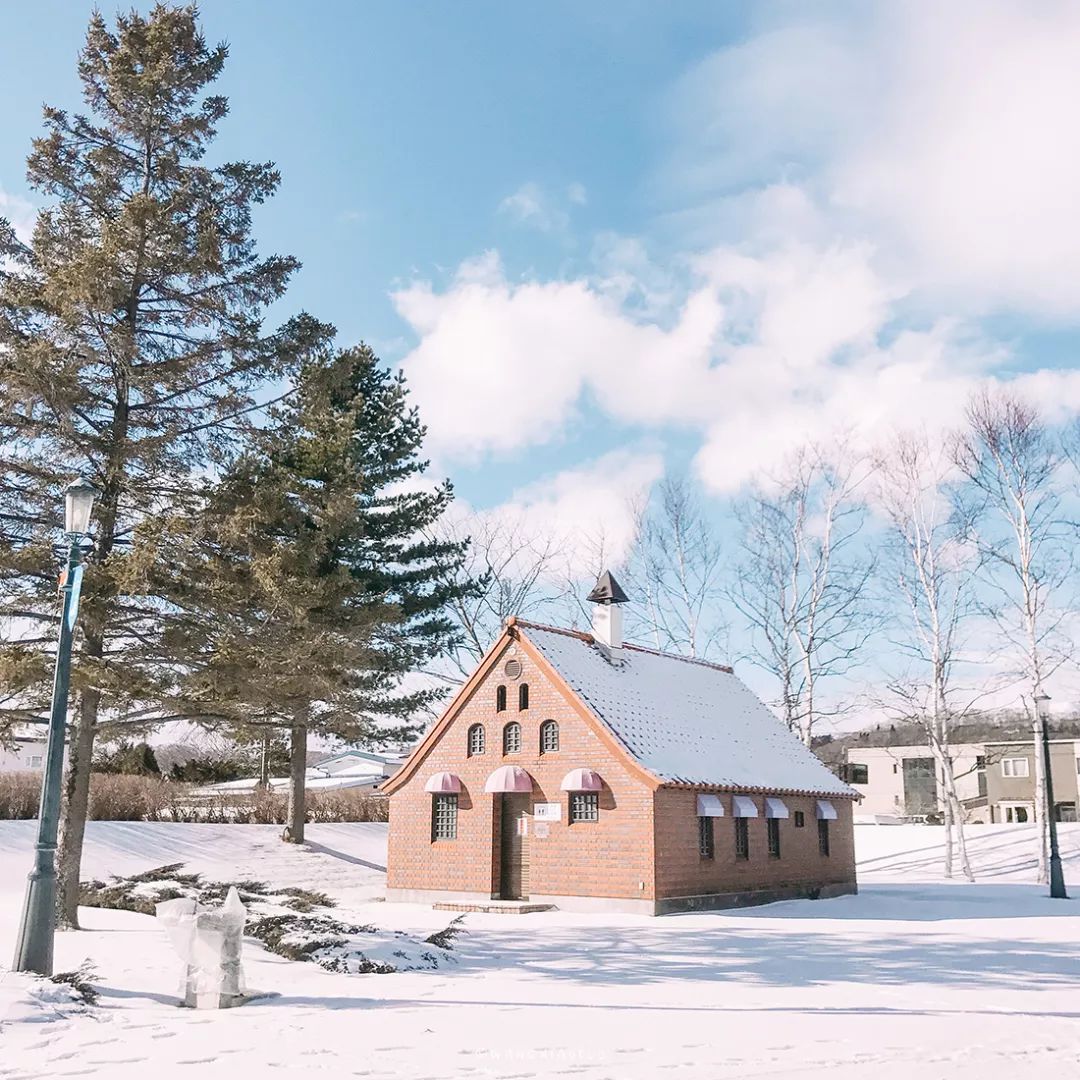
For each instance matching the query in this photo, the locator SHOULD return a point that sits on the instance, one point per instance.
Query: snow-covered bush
(292, 922)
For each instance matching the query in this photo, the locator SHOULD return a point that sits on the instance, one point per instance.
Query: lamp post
(34, 945)
(1057, 878)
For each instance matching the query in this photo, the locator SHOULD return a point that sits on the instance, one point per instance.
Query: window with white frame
(1014, 766)
(35, 761)
(512, 738)
(475, 741)
(549, 737)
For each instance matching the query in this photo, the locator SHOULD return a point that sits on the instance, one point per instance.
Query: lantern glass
(78, 503)
(1042, 706)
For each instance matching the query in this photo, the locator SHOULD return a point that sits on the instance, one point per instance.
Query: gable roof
(685, 721)
(674, 720)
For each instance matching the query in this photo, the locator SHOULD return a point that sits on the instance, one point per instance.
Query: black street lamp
(34, 945)
(1057, 878)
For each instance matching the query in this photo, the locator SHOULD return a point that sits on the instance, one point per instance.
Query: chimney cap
(607, 591)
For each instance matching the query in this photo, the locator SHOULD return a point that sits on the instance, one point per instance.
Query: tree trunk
(264, 764)
(958, 818)
(947, 813)
(1041, 824)
(294, 828)
(76, 808)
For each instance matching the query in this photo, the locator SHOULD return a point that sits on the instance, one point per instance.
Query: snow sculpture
(209, 941)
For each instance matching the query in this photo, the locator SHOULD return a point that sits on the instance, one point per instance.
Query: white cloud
(533, 206)
(854, 192)
(499, 366)
(763, 353)
(945, 133)
(583, 513)
(576, 193)
(591, 505)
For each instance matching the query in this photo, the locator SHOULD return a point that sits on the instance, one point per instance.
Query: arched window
(512, 738)
(549, 737)
(500, 699)
(523, 697)
(476, 739)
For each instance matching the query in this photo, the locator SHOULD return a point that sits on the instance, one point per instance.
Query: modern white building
(23, 750)
(995, 781)
(899, 782)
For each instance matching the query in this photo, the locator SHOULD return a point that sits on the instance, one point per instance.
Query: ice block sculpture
(209, 941)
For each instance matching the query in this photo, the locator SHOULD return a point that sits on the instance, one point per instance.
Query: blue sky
(401, 128)
(612, 239)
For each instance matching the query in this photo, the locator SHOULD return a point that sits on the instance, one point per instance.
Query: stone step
(495, 907)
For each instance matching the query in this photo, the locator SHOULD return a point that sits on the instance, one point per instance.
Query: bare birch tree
(1012, 465)
(519, 570)
(802, 579)
(674, 572)
(929, 561)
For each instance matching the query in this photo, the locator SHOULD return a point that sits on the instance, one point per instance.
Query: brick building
(576, 770)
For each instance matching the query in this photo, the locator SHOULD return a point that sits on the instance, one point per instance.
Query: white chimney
(607, 626)
(607, 621)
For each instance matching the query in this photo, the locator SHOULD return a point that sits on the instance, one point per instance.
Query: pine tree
(131, 351)
(311, 588)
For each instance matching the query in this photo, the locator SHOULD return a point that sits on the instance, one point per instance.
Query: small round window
(512, 670)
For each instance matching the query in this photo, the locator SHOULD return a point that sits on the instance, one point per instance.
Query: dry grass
(115, 797)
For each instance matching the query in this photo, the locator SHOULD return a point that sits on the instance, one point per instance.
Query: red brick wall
(681, 871)
(608, 858)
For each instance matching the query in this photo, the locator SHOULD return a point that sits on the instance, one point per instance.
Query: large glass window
(920, 786)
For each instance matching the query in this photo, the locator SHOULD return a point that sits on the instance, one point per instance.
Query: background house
(901, 782)
(995, 780)
(24, 749)
(332, 772)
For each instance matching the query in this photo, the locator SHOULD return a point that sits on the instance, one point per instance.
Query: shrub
(120, 797)
(20, 794)
(135, 759)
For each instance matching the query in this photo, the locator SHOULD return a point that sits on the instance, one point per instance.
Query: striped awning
(743, 806)
(709, 806)
(443, 783)
(825, 811)
(776, 808)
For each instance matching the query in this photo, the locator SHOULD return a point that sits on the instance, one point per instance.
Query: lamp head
(79, 498)
(1042, 705)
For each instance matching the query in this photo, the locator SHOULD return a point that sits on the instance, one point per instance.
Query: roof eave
(747, 789)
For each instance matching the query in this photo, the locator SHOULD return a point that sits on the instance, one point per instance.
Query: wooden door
(514, 860)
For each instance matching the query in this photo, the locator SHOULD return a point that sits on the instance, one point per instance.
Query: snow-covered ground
(913, 977)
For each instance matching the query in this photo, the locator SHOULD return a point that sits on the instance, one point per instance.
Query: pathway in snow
(913, 977)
